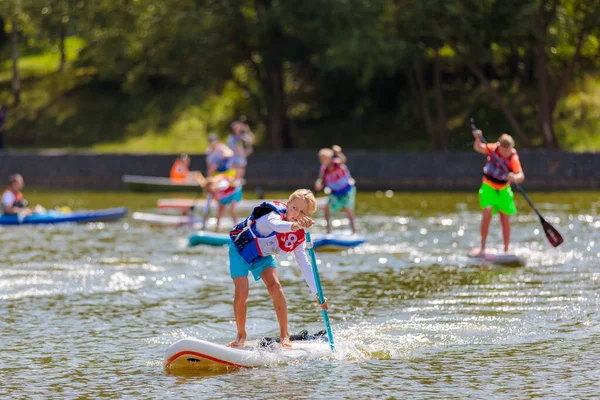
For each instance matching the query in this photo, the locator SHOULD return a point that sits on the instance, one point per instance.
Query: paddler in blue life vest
(224, 185)
(12, 199)
(272, 228)
(496, 195)
(335, 175)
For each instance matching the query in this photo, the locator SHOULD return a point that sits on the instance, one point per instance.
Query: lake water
(88, 310)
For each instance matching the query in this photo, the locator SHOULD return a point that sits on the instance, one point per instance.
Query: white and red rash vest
(251, 245)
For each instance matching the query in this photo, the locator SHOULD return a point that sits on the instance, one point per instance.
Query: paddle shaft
(203, 183)
(206, 209)
(313, 260)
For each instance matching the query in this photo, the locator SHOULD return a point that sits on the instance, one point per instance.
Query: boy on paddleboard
(272, 228)
(227, 192)
(495, 194)
(224, 185)
(334, 175)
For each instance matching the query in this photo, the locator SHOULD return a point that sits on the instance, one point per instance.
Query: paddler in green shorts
(495, 194)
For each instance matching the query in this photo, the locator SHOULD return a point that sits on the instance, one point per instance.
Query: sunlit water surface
(88, 310)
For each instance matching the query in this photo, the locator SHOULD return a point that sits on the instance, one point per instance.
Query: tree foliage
(305, 61)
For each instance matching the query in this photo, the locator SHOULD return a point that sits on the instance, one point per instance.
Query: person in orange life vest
(334, 175)
(12, 198)
(181, 168)
(495, 194)
(272, 228)
(227, 192)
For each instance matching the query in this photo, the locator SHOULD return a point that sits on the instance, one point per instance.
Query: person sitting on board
(227, 192)
(13, 202)
(180, 171)
(496, 195)
(181, 168)
(335, 176)
(272, 228)
(240, 142)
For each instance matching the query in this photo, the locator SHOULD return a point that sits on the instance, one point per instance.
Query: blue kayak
(329, 242)
(58, 217)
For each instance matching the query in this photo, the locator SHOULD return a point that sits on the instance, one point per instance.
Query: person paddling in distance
(240, 142)
(218, 158)
(272, 228)
(335, 175)
(227, 192)
(13, 202)
(224, 185)
(496, 195)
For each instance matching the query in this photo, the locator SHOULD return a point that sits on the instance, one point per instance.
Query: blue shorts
(235, 196)
(239, 267)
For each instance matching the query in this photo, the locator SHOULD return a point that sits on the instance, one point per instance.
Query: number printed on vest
(289, 241)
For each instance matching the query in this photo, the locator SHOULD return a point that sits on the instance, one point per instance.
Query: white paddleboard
(196, 354)
(161, 219)
(180, 220)
(492, 256)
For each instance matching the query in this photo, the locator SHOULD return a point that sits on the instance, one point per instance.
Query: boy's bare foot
(240, 341)
(285, 342)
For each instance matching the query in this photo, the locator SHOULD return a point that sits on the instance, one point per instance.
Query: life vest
(18, 202)
(493, 170)
(179, 170)
(337, 179)
(224, 187)
(251, 245)
(222, 164)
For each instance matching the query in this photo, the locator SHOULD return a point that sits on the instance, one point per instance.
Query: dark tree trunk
(63, 51)
(275, 118)
(545, 120)
(273, 81)
(16, 82)
(439, 101)
(426, 109)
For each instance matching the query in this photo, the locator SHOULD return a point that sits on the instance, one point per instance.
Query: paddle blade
(552, 234)
(200, 179)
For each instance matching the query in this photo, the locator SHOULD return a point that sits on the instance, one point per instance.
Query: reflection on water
(88, 310)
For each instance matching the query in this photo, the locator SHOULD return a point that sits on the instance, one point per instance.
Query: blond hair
(306, 194)
(506, 141)
(325, 155)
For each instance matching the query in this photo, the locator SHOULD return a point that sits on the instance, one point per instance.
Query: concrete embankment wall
(294, 169)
